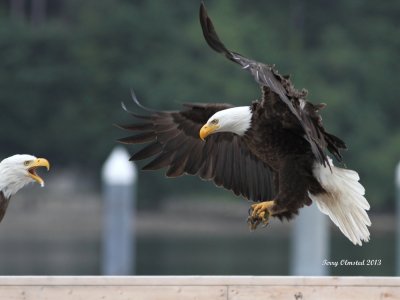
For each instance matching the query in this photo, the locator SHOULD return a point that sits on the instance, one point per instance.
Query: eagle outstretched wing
(265, 75)
(174, 143)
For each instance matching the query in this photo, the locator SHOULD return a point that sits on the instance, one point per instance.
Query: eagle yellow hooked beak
(207, 129)
(33, 165)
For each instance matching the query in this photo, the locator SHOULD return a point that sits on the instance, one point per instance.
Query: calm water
(254, 256)
(190, 255)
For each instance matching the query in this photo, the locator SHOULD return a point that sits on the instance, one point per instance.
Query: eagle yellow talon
(259, 213)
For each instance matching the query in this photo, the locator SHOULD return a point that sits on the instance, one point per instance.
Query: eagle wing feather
(266, 76)
(174, 143)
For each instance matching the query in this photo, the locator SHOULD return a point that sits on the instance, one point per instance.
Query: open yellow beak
(207, 129)
(39, 162)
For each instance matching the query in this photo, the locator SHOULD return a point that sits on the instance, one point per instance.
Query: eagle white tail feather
(344, 201)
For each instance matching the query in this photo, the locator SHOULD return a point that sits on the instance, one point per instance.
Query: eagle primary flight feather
(15, 172)
(271, 152)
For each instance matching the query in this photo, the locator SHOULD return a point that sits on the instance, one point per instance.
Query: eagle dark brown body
(274, 138)
(3, 205)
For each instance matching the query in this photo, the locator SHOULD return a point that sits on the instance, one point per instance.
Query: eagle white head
(18, 170)
(236, 120)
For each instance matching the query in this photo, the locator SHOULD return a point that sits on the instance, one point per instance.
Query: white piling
(119, 176)
(310, 243)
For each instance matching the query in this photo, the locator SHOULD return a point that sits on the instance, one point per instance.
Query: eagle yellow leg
(260, 213)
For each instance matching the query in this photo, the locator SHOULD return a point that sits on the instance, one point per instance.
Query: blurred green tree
(62, 80)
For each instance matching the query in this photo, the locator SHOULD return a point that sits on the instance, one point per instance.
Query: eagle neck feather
(11, 182)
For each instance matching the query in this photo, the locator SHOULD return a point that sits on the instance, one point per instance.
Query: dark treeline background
(65, 67)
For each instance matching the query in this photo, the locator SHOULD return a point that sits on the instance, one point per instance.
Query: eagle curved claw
(259, 213)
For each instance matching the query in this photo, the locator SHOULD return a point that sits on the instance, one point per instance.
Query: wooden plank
(110, 292)
(312, 292)
(200, 280)
(197, 287)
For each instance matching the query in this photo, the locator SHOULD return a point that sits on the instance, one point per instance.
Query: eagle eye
(214, 122)
(27, 162)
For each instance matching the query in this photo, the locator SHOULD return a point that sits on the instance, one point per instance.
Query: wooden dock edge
(197, 287)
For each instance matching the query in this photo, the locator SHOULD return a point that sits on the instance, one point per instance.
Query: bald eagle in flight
(15, 172)
(272, 152)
